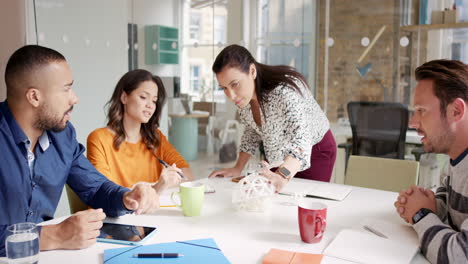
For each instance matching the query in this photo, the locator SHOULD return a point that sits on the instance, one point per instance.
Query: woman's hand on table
(278, 181)
(226, 173)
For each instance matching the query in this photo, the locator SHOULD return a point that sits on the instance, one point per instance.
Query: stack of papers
(322, 190)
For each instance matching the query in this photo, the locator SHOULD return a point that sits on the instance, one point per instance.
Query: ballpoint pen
(167, 165)
(375, 232)
(157, 255)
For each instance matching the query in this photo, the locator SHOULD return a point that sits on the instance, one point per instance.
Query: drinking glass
(22, 243)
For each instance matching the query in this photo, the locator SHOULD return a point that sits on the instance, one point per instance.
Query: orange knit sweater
(132, 163)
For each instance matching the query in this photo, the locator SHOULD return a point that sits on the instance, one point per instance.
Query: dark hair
(128, 83)
(268, 77)
(450, 80)
(25, 60)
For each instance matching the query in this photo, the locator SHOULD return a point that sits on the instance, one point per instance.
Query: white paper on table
(332, 260)
(324, 190)
(398, 232)
(365, 247)
(165, 197)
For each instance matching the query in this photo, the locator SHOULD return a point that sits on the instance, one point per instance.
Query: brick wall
(350, 21)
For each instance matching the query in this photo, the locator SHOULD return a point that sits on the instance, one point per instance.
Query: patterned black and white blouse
(292, 122)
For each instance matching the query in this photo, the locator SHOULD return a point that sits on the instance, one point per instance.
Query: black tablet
(125, 234)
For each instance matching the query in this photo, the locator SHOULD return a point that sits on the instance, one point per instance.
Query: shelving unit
(161, 45)
(415, 28)
(413, 57)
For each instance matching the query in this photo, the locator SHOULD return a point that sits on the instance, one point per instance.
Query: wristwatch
(285, 173)
(420, 215)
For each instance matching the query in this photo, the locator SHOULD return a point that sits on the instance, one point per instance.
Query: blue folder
(194, 251)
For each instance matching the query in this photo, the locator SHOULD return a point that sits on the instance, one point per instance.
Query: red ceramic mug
(312, 220)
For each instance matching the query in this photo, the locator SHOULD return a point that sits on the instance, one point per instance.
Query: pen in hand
(157, 255)
(167, 165)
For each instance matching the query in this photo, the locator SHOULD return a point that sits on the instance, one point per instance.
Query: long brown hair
(268, 77)
(127, 84)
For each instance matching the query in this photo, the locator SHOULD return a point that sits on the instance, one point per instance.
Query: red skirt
(322, 160)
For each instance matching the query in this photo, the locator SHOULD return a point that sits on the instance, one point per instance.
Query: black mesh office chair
(379, 129)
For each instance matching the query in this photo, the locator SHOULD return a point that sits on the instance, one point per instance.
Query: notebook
(194, 251)
(328, 191)
(278, 256)
(373, 248)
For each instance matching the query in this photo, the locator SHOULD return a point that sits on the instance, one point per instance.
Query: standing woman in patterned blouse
(277, 108)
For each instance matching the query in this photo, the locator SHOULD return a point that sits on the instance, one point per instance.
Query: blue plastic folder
(194, 251)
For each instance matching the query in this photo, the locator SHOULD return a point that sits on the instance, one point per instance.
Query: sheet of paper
(332, 260)
(397, 232)
(165, 197)
(369, 249)
(328, 191)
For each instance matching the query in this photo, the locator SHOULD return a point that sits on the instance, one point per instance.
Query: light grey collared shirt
(44, 143)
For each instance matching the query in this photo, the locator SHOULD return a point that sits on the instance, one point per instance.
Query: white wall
(155, 12)
(95, 46)
(235, 33)
(13, 35)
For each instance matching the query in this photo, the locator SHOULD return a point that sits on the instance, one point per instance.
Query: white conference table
(245, 237)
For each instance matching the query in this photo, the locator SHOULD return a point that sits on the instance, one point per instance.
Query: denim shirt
(33, 197)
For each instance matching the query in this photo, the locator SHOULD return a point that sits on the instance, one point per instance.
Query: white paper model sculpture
(253, 193)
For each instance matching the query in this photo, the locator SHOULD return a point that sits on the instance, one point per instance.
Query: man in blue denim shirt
(40, 153)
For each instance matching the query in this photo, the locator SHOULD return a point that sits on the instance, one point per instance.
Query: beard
(440, 143)
(49, 121)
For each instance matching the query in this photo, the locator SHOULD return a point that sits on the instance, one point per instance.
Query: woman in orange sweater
(127, 150)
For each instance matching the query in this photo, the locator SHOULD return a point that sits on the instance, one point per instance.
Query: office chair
(378, 128)
(74, 201)
(380, 173)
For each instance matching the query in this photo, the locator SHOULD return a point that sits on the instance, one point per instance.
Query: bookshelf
(415, 28)
(415, 54)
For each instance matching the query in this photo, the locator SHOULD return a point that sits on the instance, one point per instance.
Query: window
(284, 33)
(456, 44)
(205, 35)
(195, 26)
(220, 29)
(194, 78)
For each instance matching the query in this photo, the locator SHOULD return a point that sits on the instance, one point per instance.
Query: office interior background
(360, 50)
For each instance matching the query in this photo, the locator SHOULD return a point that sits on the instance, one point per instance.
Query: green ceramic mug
(191, 198)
